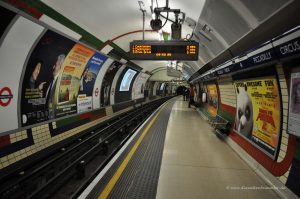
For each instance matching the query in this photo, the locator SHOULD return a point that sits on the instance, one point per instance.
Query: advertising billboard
(258, 113)
(87, 82)
(126, 81)
(212, 99)
(59, 79)
(41, 76)
(70, 84)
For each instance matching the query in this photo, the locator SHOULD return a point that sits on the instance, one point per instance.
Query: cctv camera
(156, 24)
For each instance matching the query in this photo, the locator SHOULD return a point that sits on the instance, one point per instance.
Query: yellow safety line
(120, 170)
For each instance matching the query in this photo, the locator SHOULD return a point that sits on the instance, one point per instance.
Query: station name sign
(164, 50)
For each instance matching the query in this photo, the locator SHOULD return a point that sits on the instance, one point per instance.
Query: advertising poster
(258, 112)
(68, 87)
(107, 82)
(126, 81)
(294, 106)
(87, 82)
(43, 68)
(212, 99)
(139, 86)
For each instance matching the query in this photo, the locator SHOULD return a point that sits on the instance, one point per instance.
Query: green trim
(87, 37)
(116, 47)
(120, 51)
(225, 115)
(125, 55)
(67, 121)
(137, 67)
(98, 112)
(91, 41)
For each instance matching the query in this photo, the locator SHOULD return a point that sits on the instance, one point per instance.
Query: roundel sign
(112, 91)
(96, 92)
(5, 96)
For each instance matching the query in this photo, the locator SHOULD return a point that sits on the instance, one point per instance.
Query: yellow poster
(258, 112)
(69, 79)
(212, 99)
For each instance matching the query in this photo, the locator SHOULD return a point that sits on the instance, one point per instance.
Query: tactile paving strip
(140, 177)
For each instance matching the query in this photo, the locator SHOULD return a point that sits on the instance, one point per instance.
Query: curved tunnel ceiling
(215, 24)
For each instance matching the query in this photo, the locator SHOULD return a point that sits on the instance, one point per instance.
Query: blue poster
(87, 82)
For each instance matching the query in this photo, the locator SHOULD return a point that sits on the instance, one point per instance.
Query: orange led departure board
(164, 50)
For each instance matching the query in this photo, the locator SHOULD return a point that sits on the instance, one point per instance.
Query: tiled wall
(227, 91)
(285, 136)
(14, 137)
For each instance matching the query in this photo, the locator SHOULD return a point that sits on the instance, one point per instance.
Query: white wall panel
(13, 53)
(51, 22)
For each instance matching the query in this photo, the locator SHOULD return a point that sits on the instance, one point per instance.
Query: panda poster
(258, 113)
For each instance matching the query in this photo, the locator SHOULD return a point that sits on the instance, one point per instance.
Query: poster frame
(208, 95)
(23, 76)
(294, 71)
(277, 148)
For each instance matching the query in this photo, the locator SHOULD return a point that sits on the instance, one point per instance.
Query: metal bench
(221, 126)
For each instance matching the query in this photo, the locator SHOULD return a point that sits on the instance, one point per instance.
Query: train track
(68, 170)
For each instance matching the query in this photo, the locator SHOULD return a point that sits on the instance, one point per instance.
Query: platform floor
(196, 164)
(176, 155)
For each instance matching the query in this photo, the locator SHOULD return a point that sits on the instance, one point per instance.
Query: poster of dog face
(258, 113)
